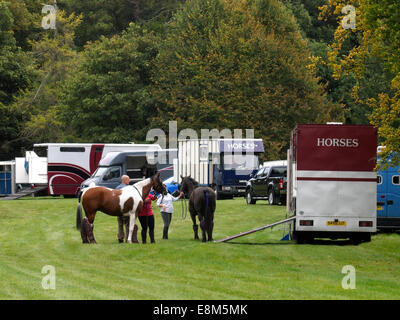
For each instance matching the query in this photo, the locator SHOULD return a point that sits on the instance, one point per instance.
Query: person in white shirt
(164, 201)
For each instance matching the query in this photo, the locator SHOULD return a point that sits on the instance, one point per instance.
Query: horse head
(157, 184)
(188, 184)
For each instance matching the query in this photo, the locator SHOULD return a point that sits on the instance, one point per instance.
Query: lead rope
(184, 208)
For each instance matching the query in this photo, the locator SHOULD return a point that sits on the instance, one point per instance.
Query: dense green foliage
(107, 99)
(114, 69)
(222, 66)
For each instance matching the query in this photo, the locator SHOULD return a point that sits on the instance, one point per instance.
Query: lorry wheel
(249, 198)
(366, 237)
(355, 239)
(300, 239)
(272, 198)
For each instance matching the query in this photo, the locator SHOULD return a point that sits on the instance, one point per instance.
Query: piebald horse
(127, 201)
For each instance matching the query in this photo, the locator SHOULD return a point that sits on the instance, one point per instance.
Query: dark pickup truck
(269, 183)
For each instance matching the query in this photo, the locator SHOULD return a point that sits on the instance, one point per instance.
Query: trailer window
(396, 180)
(72, 149)
(379, 179)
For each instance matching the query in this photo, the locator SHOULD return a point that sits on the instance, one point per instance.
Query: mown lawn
(39, 232)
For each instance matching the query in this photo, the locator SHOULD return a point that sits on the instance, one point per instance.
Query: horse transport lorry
(224, 164)
(332, 184)
(388, 198)
(69, 164)
(138, 165)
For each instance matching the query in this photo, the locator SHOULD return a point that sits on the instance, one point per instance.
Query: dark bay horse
(121, 202)
(202, 202)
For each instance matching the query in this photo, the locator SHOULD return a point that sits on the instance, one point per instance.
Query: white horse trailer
(227, 163)
(332, 182)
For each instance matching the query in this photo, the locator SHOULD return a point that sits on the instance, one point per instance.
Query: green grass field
(39, 232)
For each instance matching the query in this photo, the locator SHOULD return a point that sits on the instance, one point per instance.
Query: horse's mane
(194, 182)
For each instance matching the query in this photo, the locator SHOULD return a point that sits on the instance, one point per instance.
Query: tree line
(112, 70)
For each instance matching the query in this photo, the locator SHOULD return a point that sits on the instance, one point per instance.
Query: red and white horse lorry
(67, 165)
(332, 182)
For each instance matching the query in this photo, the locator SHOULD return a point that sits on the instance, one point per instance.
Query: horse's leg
(133, 228)
(90, 219)
(210, 223)
(84, 230)
(193, 216)
(195, 227)
(203, 226)
(210, 226)
(87, 228)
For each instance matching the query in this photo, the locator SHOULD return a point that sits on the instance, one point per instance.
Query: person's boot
(134, 234)
(144, 236)
(165, 233)
(151, 233)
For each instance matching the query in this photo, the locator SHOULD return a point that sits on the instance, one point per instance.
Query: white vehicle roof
(275, 163)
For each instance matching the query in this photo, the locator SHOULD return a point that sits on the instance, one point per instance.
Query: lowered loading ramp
(257, 229)
(23, 193)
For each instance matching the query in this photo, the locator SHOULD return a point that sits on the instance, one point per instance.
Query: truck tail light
(281, 184)
(365, 224)
(307, 223)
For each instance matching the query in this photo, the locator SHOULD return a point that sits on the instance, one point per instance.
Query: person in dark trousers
(146, 218)
(165, 203)
(123, 221)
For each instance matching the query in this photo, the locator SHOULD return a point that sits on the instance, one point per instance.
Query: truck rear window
(278, 172)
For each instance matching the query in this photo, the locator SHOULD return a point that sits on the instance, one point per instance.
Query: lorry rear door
(382, 180)
(393, 194)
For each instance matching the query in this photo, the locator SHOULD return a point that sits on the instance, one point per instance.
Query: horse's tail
(207, 209)
(78, 216)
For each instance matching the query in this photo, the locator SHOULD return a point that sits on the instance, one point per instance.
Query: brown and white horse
(127, 201)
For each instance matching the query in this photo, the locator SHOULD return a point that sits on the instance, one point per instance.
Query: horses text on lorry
(69, 164)
(332, 182)
(226, 163)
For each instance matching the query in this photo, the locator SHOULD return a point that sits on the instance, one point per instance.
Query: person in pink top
(146, 218)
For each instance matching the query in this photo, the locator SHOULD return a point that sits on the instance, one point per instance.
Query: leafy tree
(377, 52)
(238, 64)
(108, 18)
(27, 17)
(107, 99)
(55, 58)
(16, 74)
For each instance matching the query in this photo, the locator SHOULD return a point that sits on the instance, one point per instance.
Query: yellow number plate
(379, 208)
(336, 223)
